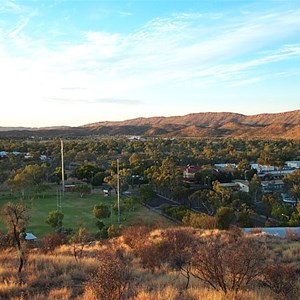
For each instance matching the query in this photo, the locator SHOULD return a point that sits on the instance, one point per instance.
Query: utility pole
(118, 191)
(62, 167)
(58, 200)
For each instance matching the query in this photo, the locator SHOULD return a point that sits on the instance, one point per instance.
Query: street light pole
(62, 167)
(118, 191)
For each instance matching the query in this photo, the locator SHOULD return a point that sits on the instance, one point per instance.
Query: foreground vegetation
(146, 263)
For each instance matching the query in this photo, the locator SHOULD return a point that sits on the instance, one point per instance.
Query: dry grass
(173, 293)
(58, 276)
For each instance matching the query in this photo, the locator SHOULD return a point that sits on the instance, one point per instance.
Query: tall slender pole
(62, 166)
(118, 191)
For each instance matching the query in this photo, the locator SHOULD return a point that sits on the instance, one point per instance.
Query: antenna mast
(118, 190)
(62, 166)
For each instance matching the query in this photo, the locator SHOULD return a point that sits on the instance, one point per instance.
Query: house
(288, 199)
(262, 168)
(230, 185)
(294, 164)
(243, 184)
(272, 185)
(3, 153)
(239, 185)
(225, 166)
(277, 174)
(30, 236)
(189, 172)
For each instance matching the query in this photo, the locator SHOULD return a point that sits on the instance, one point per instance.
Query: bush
(198, 220)
(113, 231)
(101, 211)
(281, 279)
(224, 217)
(135, 236)
(228, 261)
(176, 212)
(113, 278)
(55, 219)
(50, 241)
(102, 233)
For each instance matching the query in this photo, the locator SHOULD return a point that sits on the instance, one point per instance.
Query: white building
(293, 164)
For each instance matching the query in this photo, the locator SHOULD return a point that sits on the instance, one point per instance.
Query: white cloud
(189, 50)
(10, 6)
(244, 82)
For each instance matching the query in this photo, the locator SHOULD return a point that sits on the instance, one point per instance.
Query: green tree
(219, 196)
(269, 200)
(202, 199)
(255, 187)
(55, 219)
(295, 217)
(282, 212)
(244, 218)
(82, 189)
(88, 172)
(31, 176)
(180, 194)
(292, 184)
(146, 194)
(101, 211)
(224, 216)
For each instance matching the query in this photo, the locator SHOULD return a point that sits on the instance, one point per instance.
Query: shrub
(224, 217)
(112, 279)
(198, 220)
(228, 261)
(178, 250)
(50, 241)
(135, 236)
(281, 279)
(101, 211)
(55, 219)
(113, 231)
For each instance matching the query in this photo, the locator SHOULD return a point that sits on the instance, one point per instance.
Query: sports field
(78, 211)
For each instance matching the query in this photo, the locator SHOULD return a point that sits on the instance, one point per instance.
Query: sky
(65, 62)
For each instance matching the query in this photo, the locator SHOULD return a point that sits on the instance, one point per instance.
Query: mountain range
(209, 124)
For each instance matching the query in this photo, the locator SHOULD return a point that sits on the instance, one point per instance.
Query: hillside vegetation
(147, 263)
(209, 124)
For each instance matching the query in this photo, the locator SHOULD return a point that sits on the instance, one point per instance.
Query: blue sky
(77, 62)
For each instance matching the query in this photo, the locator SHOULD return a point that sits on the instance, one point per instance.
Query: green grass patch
(78, 211)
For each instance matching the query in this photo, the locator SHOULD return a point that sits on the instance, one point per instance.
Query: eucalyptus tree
(30, 177)
(16, 217)
(292, 184)
(168, 177)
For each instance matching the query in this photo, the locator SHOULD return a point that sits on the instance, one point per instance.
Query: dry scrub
(121, 268)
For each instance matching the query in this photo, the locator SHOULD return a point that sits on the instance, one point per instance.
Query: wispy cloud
(125, 102)
(244, 82)
(73, 88)
(125, 13)
(10, 6)
(15, 31)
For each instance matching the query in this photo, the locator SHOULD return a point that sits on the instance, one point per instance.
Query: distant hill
(210, 124)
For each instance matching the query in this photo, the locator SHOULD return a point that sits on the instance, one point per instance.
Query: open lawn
(78, 211)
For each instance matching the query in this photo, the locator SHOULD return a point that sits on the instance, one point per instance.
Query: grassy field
(78, 211)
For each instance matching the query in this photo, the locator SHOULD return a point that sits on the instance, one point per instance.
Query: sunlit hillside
(137, 266)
